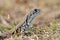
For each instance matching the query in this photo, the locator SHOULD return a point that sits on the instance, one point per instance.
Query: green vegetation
(53, 32)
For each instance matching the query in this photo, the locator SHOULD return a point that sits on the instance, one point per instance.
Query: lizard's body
(25, 25)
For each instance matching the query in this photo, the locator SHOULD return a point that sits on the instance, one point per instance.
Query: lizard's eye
(35, 10)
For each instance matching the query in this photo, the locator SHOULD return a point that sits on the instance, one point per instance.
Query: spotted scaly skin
(25, 26)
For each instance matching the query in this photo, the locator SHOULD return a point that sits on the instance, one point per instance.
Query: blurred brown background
(14, 11)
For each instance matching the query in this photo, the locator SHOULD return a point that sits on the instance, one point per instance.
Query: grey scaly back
(27, 22)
